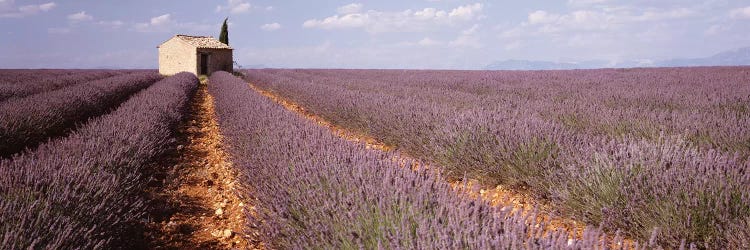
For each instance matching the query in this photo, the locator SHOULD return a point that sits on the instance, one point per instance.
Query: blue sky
(436, 34)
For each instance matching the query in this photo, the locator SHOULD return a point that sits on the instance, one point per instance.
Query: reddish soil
(197, 205)
(517, 200)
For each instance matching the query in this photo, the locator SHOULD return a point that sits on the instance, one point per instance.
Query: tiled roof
(203, 42)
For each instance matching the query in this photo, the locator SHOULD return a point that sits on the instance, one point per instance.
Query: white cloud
(585, 2)
(165, 23)
(544, 22)
(740, 13)
(350, 8)
(428, 42)
(161, 20)
(467, 41)
(468, 38)
(404, 55)
(514, 33)
(8, 9)
(430, 13)
(716, 29)
(466, 12)
(47, 6)
(374, 21)
(471, 31)
(664, 15)
(80, 16)
(604, 19)
(354, 20)
(541, 16)
(270, 26)
(243, 7)
(155, 24)
(607, 30)
(235, 7)
(269, 8)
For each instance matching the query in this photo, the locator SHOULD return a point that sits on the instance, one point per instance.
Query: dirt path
(196, 201)
(498, 196)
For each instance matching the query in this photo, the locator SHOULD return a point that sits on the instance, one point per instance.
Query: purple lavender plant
(26, 122)
(84, 190)
(315, 190)
(634, 149)
(19, 83)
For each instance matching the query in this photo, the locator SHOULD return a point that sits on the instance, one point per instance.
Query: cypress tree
(224, 35)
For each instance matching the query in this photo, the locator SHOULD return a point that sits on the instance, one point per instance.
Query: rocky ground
(196, 196)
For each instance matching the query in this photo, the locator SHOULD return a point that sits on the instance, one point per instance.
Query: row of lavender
(26, 122)
(631, 149)
(84, 190)
(19, 83)
(315, 190)
(708, 105)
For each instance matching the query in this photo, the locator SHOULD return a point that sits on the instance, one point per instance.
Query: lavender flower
(84, 190)
(630, 149)
(316, 190)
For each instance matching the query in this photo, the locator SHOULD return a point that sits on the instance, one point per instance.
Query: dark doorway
(204, 64)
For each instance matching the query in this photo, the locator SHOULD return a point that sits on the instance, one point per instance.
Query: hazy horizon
(430, 34)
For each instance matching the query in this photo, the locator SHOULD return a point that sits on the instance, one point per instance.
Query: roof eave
(214, 48)
(188, 43)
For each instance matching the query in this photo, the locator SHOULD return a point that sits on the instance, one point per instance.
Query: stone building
(200, 55)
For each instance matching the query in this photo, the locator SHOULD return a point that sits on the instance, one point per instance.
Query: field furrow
(195, 193)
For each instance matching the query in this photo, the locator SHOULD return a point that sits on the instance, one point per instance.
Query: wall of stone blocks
(218, 59)
(176, 56)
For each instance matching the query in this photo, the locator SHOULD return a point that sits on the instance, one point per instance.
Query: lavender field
(646, 158)
(638, 150)
(26, 121)
(316, 190)
(84, 190)
(388, 125)
(17, 83)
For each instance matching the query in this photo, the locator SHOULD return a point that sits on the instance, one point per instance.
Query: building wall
(218, 60)
(176, 56)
